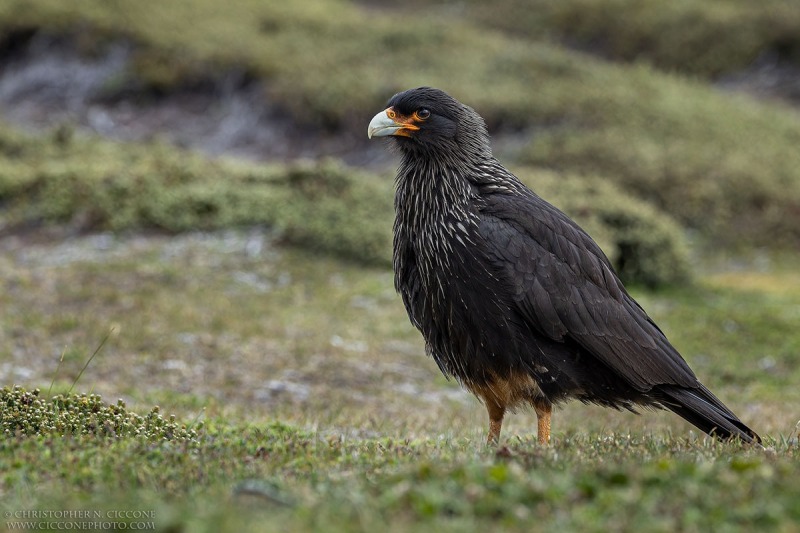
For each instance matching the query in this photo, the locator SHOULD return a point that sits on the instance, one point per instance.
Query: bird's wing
(565, 287)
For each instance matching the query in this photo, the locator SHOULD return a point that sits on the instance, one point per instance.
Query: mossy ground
(314, 406)
(277, 478)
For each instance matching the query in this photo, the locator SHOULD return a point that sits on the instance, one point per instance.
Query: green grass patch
(27, 413)
(320, 410)
(730, 177)
(226, 477)
(229, 324)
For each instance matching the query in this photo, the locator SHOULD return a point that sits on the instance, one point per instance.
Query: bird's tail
(700, 407)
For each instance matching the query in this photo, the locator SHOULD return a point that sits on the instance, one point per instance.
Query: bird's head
(427, 121)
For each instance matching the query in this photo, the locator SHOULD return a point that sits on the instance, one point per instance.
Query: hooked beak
(389, 122)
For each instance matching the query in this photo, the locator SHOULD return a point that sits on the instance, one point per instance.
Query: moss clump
(26, 413)
(330, 208)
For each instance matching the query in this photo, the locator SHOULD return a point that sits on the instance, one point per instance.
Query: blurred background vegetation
(188, 194)
(652, 123)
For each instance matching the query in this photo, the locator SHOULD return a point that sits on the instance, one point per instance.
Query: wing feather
(565, 287)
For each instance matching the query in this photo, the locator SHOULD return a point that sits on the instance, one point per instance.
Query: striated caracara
(513, 298)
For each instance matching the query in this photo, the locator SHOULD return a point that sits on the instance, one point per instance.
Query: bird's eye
(422, 113)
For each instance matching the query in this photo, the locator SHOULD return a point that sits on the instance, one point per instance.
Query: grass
(279, 477)
(28, 414)
(320, 411)
(90, 185)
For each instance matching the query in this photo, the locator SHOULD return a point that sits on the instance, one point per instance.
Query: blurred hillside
(647, 121)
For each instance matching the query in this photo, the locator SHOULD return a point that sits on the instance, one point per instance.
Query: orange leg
(496, 413)
(543, 409)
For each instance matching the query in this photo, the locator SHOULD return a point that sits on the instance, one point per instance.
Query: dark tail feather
(701, 408)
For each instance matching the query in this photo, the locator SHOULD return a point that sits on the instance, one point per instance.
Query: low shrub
(27, 413)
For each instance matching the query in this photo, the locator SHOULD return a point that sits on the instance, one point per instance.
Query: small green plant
(26, 413)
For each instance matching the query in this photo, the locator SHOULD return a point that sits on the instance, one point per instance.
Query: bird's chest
(439, 269)
(435, 224)
(438, 257)
(434, 244)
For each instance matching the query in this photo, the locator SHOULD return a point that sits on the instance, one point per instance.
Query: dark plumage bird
(513, 298)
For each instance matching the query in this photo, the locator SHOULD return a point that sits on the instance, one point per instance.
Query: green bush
(733, 178)
(331, 208)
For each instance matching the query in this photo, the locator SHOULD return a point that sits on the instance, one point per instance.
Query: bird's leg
(496, 412)
(543, 409)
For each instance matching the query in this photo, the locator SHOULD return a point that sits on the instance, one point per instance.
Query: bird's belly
(510, 391)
